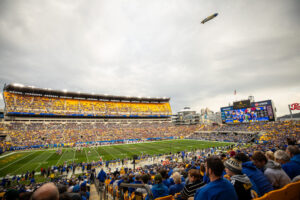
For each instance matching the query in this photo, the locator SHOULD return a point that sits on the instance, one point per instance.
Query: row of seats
(289, 192)
(61, 106)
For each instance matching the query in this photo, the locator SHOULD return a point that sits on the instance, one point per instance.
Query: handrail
(130, 185)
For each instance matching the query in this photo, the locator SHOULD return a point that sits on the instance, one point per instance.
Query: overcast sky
(156, 48)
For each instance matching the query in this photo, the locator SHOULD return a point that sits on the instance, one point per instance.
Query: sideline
(8, 154)
(17, 161)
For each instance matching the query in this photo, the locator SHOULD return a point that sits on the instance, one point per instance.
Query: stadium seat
(169, 197)
(288, 192)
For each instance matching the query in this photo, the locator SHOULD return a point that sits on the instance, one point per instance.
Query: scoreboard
(241, 104)
(242, 112)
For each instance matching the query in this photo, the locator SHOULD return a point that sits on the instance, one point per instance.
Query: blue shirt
(101, 176)
(173, 189)
(159, 190)
(220, 189)
(256, 176)
(292, 168)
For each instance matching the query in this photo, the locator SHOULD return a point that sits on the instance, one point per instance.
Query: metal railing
(104, 193)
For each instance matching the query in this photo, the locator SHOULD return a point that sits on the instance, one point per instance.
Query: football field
(21, 161)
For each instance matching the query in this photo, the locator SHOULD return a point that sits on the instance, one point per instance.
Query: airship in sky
(209, 18)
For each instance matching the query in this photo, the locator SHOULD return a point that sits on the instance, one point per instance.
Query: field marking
(42, 162)
(16, 161)
(23, 166)
(7, 154)
(74, 155)
(86, 155)
(97, 153)
(60, 157)
(149, 147)
(157, 149)
(113, 156)
(117, 150)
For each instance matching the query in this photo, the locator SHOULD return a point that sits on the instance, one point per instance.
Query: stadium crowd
(68, 106)
(24, 134)
(232, 172)
(204, 174)
(224, 137)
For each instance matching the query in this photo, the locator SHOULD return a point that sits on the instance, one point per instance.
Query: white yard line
(86, 155)
(117, 150)
(109, 153)
(23, 166)
(60, 157)
(7, 154)
(16, 161)
(74, 155)
(44, 160)
(97, 152)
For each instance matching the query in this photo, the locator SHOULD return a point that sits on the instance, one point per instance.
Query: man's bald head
(47, 192)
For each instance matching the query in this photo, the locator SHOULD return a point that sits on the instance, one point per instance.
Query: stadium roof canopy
(30, 90)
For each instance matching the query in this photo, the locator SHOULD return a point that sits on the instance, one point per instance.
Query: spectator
(241, 182)
(159, 189)
(194, 182)
(145, 179)
(46, 192)
(101, 176)
(281, 157)
(178, 186)
(256, 176)
(270, 155)
(272, 170)
(218, 188)
(292, 168)
(11, 194)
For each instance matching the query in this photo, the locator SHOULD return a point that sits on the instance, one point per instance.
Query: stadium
(117, 147)
(149, 100)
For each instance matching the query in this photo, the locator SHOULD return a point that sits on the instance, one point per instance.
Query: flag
(234, 92)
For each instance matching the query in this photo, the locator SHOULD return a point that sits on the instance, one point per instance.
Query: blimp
(209, 18)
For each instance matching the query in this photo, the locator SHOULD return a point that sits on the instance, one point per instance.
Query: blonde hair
(270, 155)
(176, 177)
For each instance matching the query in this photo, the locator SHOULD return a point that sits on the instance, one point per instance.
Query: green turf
(20, 162)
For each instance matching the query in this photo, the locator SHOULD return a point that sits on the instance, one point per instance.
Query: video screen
(259, 111)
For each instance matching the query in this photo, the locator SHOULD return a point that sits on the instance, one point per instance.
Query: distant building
(186, 117)
(207, 116)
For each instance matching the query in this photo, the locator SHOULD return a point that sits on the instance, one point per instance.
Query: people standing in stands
(241, 182)
(101, 176)
(272, 170)
(218, 187)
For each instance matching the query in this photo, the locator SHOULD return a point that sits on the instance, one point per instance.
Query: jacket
(292, 168)
(101, 176)
(276, 175)
(257, 177)
(159, 190)
(242, 186)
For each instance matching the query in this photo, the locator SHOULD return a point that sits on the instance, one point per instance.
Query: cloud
(155, 48)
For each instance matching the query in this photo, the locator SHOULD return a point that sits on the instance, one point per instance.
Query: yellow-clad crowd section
(63, 106)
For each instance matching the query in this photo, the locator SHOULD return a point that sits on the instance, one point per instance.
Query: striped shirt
(190, 189)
